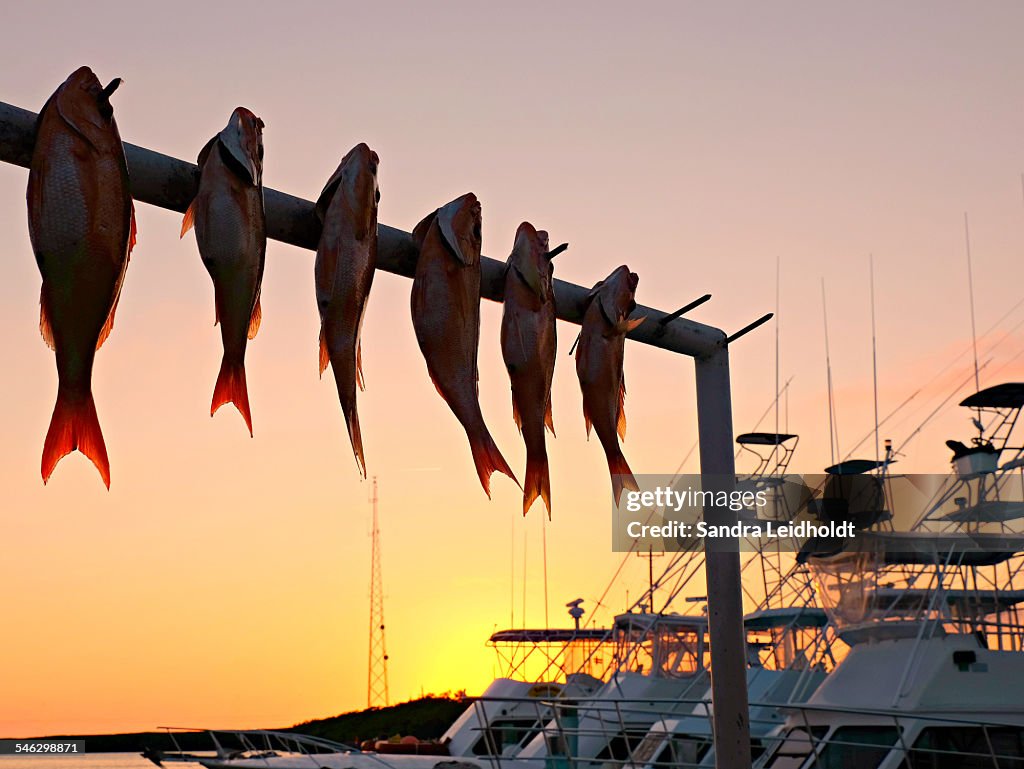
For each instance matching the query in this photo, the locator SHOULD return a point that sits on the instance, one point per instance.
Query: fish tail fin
(74, 425)
(488, 459)
(622, 476)
(231, 388)
(538, 482)
(356, 436)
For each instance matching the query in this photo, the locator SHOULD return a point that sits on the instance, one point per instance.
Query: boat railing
(250, 743)
(808, 734)
(670, 732)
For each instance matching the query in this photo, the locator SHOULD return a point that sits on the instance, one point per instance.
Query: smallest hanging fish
(599, 358)
(231, 232)
(528, 343)
(345, 261)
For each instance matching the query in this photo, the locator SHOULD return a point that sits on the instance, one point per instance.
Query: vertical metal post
(722, 567)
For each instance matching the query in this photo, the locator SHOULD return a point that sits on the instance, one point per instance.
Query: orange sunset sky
(223, 581)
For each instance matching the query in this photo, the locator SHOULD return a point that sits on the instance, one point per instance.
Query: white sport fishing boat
(936, 667)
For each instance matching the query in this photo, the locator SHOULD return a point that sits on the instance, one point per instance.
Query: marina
(319, 326)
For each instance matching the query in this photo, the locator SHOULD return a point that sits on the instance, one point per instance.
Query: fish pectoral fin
(44, 322)
(255, 319)
(133, 230)
(626, 325)
(325, 357)
(189, 220)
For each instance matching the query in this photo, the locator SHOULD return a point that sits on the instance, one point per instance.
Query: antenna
(833, 428)
(970, 288)
(377, 667)
(974, 332)
(874, 350)
(778, 271)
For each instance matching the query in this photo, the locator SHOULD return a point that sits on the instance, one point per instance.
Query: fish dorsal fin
(44, 322)
(255, 318)
(231, 139)
(446, 222)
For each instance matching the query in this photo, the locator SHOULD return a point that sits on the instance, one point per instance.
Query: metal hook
(682, 310)
(556, 251)
(573, 348)
(747, 329)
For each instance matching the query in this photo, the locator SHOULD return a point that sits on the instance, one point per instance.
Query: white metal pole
(725, 600)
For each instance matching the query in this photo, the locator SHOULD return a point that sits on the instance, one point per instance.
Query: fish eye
(377, 195)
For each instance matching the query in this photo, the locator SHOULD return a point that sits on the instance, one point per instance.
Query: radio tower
(377, 672)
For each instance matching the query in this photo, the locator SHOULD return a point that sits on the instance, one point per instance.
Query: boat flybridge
(933, 617)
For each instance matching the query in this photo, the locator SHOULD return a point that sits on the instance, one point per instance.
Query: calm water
(87, 761)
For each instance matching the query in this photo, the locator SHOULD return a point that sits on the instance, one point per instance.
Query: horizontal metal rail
(167, 182)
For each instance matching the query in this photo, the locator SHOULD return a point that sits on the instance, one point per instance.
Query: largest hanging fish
(82, 228)
(346, 258)
(231, 232)
(599, 357)
(528, 344)
(446, 317)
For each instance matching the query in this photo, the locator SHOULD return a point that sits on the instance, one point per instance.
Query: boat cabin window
(967, 747)
(680, 751)
(796, 745)
(505, 733)
(857, 747)
(621, 746)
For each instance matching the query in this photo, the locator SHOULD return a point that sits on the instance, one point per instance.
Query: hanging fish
(446, 317)
(528, 343)
(231, 232)
(599, 356)
(345, 260)
(82, 227)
